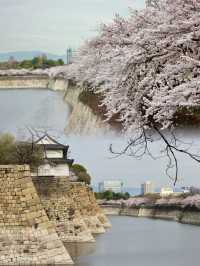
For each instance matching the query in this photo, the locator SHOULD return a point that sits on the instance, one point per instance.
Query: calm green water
(141, 242)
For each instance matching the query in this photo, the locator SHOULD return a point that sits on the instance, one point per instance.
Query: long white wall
(25, 82)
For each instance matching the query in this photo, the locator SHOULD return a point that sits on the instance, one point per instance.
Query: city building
(191, 189)
(147, 188)
(56, 161)
(111, 185)
(166, 191)
(186, 190)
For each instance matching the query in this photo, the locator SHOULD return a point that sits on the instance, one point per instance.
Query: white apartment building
(166, 191)
(147, 188)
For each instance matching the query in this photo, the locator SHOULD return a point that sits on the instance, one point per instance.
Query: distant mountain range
(23, 55)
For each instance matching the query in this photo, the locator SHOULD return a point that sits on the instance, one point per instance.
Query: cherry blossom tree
(147, 68)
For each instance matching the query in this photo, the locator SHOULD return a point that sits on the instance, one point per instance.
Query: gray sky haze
(52, 26)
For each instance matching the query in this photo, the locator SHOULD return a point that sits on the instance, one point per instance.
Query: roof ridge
(51, 138)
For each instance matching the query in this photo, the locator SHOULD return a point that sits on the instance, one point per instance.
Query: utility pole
(69, 56)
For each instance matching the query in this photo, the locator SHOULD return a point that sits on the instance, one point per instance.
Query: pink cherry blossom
(148, 65)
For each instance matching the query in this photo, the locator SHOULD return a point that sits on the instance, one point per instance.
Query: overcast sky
(52, 26)
(94, 153)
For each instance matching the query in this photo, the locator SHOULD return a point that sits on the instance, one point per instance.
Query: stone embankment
(187, 215)
(15, 82)
(33, 81)
(82, 119)
(86, 203)
(26, 234)
(111, 209)
(37, 215)
(61, 209)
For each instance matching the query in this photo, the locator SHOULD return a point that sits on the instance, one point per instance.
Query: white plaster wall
(61, 170)
(49, 170)
(54, 154)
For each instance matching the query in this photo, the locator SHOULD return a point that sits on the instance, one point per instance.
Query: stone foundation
(174, 213)
(54, 193)
(88, 207)
(100, 213)
(14, 82)
(26, 234)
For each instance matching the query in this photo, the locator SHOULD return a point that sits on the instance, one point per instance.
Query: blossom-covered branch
(147, 68)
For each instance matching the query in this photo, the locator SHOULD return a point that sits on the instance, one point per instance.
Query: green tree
(26, 64)
(60, 62)
(7, 149)
(13, 152)
(78, 168)
(28, 153)
(84, 177)
(108, 195)
(38, 62)
(126, 195)
(50, 63)
(81, 172)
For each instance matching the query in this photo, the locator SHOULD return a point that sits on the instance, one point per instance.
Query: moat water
(37, 108)
(141, 242)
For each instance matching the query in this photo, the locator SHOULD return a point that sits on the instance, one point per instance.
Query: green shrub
(81, 172)
(14, 152)
(110, 195)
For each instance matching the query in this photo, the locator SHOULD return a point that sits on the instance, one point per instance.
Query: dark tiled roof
(54, 146)
(46, 135)
(60, 160)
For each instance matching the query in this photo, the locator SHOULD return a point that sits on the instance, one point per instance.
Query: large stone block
(26, 234)
(54, 193)
(86, 203)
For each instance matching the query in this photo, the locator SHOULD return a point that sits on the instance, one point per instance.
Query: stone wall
(189, 217)
(26, 234)
(86, 203)
(170, 213)
(14, 82)
(99, 212)
(82, 119)
(33, 81)
(54, 193)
